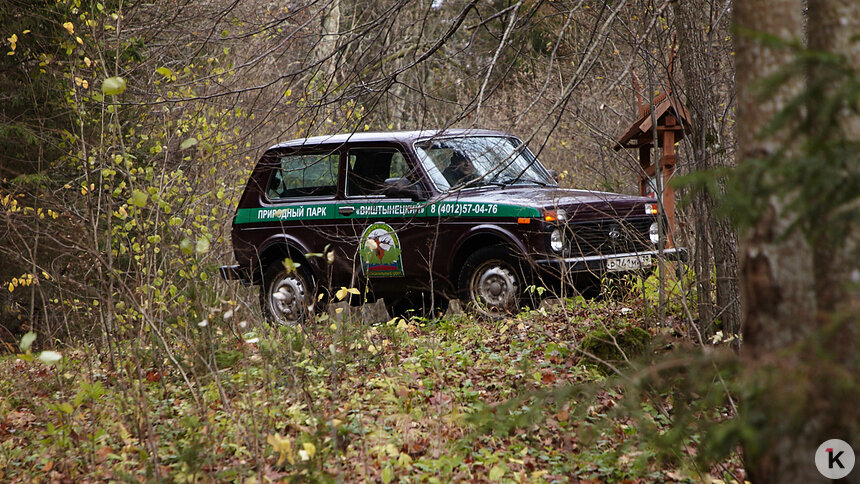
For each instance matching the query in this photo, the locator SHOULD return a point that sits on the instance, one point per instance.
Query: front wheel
(286, 297)
(492, 283)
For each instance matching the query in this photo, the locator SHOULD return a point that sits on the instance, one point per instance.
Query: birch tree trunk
(777, 292)
(329, 28)
(799, 335)
(832, 23)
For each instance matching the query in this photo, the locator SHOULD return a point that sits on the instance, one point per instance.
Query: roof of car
(388, 136)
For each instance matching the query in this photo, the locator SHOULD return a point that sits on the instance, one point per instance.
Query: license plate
(631, 263)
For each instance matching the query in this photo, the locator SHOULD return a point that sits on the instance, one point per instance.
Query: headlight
(654, 233)
(556, 240)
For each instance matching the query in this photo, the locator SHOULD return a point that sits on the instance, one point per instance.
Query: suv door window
(307, 175)
(368, 169)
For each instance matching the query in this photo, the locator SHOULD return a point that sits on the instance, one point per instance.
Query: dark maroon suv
(422, 217)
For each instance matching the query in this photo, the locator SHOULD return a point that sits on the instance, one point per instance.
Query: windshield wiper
(512, 181)
(477, 182)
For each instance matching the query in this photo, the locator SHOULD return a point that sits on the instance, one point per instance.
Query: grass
(344, 400)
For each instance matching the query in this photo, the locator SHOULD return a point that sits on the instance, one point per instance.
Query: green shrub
(606, 349)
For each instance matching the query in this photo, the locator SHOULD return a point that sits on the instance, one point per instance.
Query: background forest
(128, 130)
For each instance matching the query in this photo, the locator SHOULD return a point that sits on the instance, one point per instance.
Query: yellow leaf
(341, 293)
(138, 198)
(289, 265)
(338, 310)
(288, 93)
(391, 450)
(496, 473)
(113, 86)
(79, 40)
(69, 27)
(87, 61)
(283, 446)
(353, 290)
(310, 448)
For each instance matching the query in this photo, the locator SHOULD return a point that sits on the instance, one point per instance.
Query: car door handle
(346, 210)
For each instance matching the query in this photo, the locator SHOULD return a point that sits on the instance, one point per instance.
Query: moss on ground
(615, 346)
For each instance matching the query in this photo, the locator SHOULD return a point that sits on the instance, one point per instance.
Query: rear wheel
(492, 283)
(286, 297)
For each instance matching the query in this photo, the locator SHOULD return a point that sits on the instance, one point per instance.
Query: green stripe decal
(324, 211)
(328, 211)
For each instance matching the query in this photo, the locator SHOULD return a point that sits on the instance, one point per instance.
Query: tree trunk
(832, 23)
(329, 28)
(716, 239)
(778, 287)
(777, 292)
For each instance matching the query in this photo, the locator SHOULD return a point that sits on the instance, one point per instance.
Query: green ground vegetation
(350, 400)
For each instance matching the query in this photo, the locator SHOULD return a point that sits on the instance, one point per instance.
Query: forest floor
(457, 399)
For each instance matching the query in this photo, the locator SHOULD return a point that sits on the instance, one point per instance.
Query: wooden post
(644, 163)
(667, 168)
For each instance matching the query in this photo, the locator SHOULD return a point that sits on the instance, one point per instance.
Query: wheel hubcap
(494, 288)
(286, 298)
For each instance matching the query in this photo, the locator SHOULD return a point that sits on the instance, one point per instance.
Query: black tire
(287, 297)
(493, 284)
(417, 304)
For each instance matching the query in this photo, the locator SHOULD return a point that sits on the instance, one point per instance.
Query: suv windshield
(479, 161)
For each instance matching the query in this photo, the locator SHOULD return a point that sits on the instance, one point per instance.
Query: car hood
(582, 204)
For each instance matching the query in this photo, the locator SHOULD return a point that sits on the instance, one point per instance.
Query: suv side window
(309, 175)
(368, 169)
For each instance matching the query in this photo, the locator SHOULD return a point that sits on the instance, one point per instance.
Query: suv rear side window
(313, 175)
(369, 168)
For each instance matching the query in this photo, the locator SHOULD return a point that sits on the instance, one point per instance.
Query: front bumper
(597, 263)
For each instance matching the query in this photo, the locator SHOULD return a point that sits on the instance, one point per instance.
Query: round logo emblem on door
(379, 250)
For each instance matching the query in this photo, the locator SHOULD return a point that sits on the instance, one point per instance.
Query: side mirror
(554, 175)
(402, 188)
